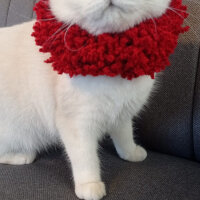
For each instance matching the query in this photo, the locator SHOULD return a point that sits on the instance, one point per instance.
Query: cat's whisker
(57, 32)
(155, 25)
(49, 19)
(190, 14)
(186, 22)
(170, 8)
(176, 11)
(65, 40)
(66, 31)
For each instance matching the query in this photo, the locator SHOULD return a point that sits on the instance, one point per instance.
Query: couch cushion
(159, 177)
(168, 122)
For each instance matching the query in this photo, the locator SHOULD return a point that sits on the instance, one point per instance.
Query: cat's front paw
(136, 155)
(91, 191)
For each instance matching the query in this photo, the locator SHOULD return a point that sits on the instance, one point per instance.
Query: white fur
(98, 16)
(39, 108)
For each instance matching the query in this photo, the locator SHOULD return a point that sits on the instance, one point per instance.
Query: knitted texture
(141, 50)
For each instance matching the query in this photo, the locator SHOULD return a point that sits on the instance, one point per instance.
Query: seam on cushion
(194, 102)
(33, 6)
(7, 13)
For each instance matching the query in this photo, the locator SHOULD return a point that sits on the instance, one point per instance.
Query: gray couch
(169, 127)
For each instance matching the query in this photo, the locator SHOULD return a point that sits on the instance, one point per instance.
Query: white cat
(39, 108)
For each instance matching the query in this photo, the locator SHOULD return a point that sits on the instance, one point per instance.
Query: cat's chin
(112, 17)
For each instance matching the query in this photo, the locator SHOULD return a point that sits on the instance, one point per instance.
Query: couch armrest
(196, 116)
(15, 11)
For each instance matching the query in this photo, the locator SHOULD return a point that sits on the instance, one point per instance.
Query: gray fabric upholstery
(196, 117)
(15, 11)
(167, 123)
(4, 7)
(160, 177)
(170, 124)
(196, 100)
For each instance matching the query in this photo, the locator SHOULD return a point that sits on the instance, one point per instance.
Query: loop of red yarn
(141, 50)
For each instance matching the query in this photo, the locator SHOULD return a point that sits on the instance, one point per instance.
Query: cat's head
(102, 16)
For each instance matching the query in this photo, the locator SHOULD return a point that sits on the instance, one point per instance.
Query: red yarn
(141, 50)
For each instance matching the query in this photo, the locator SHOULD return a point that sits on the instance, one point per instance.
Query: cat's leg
(122, 136)
(81, 144)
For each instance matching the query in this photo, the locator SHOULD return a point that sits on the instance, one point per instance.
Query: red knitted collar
(138, 51)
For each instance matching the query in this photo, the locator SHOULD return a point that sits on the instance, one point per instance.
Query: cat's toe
(137, 155)
(91, 191)
(17, 159)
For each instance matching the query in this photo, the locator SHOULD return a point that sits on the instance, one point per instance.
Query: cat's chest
(119, 103)
(103, 98)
